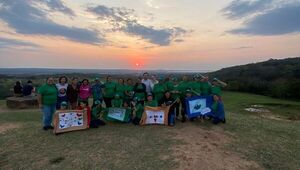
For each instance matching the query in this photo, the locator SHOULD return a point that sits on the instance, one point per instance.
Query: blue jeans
(48, 111)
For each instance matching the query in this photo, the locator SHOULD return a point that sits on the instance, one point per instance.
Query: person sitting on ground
(188, 95)
(28, 88)
(129, 111)
(168, 100)
(18, 89)
(138, 110)
(96, 113)
(83, 105)
(218, 113)
(117, 101)
(150, 101)
(63, 106)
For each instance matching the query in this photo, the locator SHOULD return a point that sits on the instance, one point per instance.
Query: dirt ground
(204, 149)
(8, 126)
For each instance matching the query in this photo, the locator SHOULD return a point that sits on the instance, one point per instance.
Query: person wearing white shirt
(148, 82)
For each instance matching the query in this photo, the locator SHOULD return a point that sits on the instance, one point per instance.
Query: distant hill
(276, 78)
(49, 71)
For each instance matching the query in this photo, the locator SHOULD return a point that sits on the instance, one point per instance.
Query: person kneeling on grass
(150, 101)
(168, 100)
(63, 105)
(95, 116)
(218, 113)
(83, 105)
(117, 101)
(138, 110)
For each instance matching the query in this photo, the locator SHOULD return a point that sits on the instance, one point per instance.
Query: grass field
(269, 139)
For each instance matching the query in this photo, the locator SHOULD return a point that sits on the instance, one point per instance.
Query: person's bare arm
(39, 98)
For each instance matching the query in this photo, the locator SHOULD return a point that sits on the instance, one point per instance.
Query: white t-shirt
(62, 89)
(149, 85)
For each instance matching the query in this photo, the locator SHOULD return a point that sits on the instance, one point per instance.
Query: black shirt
(72, 93)
(18, 89)
(27, 90)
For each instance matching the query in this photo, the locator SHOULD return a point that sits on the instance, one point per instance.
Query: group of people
(133, 95)
(23, 90)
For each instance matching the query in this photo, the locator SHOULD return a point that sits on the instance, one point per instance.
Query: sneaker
(45, 128)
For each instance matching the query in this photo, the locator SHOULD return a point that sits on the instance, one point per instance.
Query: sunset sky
(148, 34)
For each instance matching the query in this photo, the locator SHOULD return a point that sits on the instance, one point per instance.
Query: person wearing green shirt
(47, 98)
(183, 86)
(169, 85)
(205, 86)
(140, 91)
(129, 90)
(121, 88)
(109, 91)
(195, 85)
(159, 89)
(117, 101)
(96, 113)
(218, 112)
(138, 113)
(150, 101)
(215, 88)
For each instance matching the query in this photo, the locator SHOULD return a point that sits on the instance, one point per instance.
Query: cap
(64, 104)
(97, 102)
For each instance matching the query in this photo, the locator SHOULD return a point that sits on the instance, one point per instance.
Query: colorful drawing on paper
(70, 119)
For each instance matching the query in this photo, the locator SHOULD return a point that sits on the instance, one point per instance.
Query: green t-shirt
(152, 103)
(139, 110)
(117, 102)
(96, 112)
(169, 85)
(48, 93)
(182, 87)
(175, 95)
(196, 87)
(158, 90)
(216, 90)
(120, 90)
(110, 89)
(141, 95)
(205, 88)
(214, 106)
